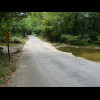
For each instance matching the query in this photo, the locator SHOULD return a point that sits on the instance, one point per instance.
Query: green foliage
(12, 68)
(1, 81)
(16, 39)
(78, 28)
(53, 25)
(16, 23)
(3, 70)
(74, 40)
(98, 40)
(68, 38)
(5, 67)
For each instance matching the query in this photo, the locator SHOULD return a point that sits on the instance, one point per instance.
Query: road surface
(41, 65)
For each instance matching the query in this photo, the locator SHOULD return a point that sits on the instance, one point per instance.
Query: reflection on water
(87, 53)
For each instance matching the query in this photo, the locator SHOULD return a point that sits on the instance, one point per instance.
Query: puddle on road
(87, 53)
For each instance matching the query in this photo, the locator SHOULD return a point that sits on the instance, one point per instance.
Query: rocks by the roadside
(1, 48)
(13, 50)
(17, 51)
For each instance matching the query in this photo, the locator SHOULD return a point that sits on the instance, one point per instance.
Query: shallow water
(87, 53)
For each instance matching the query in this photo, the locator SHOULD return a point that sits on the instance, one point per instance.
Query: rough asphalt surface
(41, 65)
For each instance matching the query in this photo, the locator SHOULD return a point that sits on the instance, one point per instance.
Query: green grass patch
(12, 68)
(1, 81)
(40, 37)
(5, 67)
(16, 38)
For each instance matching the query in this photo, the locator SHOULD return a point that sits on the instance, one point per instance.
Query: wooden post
(7, 40)
(8, 52)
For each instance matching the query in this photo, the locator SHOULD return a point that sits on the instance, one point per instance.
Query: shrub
(2, 39)
(1, 81)
(74, 40)
(63, 38)
(16, 39)
(98, 40)
(68, 38)
(78, 42)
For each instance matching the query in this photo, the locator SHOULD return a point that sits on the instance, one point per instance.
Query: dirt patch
(13, 50)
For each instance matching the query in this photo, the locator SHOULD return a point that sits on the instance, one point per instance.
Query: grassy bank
(7, 68)
(14, 38)
(17, 38)
(41, 37)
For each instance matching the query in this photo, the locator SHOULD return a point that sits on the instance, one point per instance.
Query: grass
(40, 37)
(14, 38)
(5, 67)
(1, 81)
(17, 38)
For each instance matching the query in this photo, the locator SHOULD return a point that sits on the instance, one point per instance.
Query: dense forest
(75, 28)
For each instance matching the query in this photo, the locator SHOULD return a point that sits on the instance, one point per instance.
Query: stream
(92, 54)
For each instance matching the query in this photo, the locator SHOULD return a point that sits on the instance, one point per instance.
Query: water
(87, 53)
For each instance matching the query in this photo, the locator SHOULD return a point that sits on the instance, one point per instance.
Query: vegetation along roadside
(59, 28)
(8, 68)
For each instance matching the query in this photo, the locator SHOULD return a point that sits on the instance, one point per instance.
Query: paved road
(41, 65)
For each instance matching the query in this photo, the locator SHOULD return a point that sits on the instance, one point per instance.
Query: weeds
(1, 81)
(5, 67)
